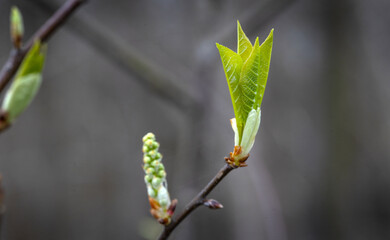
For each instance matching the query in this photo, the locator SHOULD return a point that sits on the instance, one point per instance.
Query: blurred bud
(144, 149)
(152, 154)
(149, 143)
(156, 182)
(156, 164)
(148, 136)
(155, 179)
(17, 28)
(162, 174)
(148, 179)
(25, 85)
(172, 207)
(147, 159)
(212, 204)
(150, 171)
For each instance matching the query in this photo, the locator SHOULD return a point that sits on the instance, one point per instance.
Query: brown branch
(52, 24)
(197, 201)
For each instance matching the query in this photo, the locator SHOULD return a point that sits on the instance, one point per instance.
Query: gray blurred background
(319, 169)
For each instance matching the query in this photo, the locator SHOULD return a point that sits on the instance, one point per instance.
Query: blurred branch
(154, 77)
(48, 28)
(199, 200)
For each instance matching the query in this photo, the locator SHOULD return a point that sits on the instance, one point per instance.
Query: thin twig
(52, 24)
(197, 201)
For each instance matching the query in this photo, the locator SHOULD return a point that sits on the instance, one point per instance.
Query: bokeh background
(71, 164)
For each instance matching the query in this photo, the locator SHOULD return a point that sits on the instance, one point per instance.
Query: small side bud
(17, 28)
(212, 204)
(172, 207)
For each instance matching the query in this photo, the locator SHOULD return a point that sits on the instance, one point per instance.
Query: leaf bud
(16, 28)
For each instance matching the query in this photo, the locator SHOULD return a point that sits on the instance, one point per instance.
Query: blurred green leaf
(26, 83)
(20, 95)
(33, 62)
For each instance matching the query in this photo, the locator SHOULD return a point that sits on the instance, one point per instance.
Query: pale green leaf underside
(20, 94)
(26, 82)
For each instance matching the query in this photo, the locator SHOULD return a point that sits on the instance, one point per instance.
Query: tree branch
(52, 24)
(197, 201)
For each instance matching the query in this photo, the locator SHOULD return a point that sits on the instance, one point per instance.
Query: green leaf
(20, 95)
(232, 64)
(246, 72)
(244, 46)
(249, 82)
(33, 62)
(26, 83)
(265, 60)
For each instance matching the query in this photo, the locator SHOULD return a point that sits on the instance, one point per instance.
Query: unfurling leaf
(244, 46)
(232, 64)
(20, 95)
(25, 85)
(246, 73)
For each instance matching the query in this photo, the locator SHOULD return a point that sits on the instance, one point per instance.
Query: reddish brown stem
(197, 201)
(52, 24)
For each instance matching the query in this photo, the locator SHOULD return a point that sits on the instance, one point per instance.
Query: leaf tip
(256, 42)
(238, 26)
(271, 35)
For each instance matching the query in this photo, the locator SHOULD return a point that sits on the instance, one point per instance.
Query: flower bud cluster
(155, 179)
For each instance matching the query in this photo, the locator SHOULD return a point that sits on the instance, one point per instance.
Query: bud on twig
(24, 87)
(246, 73)
(212, 204)
(162, 208)
(17, 28)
